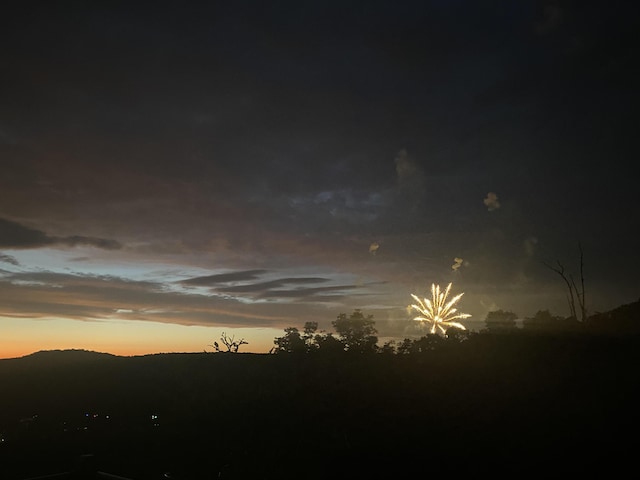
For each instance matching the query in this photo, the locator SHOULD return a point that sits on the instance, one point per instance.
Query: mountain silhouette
(623, 320)
(495, 403)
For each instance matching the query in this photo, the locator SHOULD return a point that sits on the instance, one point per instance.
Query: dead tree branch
(570, 297)
(574, 292)
(230, 343)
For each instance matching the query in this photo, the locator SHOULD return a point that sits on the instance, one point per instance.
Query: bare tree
(230, 342)
(574, 292)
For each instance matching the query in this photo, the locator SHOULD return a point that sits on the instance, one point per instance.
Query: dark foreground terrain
(510, 406)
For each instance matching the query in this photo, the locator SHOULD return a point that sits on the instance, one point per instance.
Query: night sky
(172, 171)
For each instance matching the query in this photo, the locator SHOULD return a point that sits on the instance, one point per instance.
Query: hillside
(498, 404)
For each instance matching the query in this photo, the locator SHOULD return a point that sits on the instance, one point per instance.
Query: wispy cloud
(105, 297)
(89, 297)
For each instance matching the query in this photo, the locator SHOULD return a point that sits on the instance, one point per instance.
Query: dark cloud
(315, 293)
(8, 259)
(211, 280)
(281, 288)
(272, 284)
(79, 259)
(15, 235)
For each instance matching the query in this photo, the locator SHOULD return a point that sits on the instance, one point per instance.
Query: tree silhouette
(294, 342)
(500, 321)
(309, 336)
(426, 343)
(544, 321)
(357, 332)
(328, 344)
(230, 343)
(291, 342)
(456, 335)
(388, 347)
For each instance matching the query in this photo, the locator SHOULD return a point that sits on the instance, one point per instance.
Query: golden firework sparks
(438, 311)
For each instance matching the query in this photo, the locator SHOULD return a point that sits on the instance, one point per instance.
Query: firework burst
(438, 311)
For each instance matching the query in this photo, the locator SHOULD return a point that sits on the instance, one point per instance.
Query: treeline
(357, 333)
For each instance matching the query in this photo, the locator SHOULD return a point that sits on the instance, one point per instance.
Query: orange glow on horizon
(23, 336)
